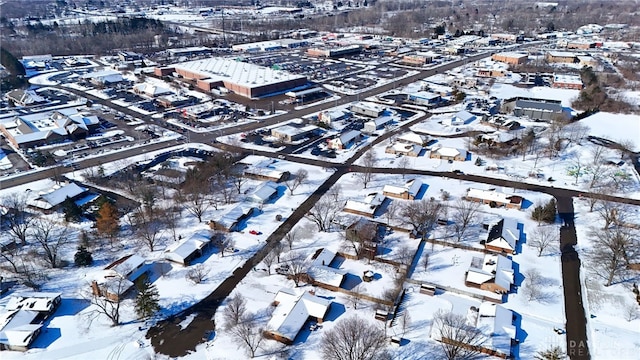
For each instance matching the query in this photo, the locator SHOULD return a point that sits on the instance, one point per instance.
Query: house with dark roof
(503, 236)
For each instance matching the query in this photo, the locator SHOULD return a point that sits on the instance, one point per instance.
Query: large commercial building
(242, 78)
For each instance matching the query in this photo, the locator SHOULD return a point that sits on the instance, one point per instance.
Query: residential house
(460, 118)
(21, 97)
(345, 140)
(411, 150)
(495, 198)
(229, 220)
(320, 273)
(23, 320)
(492, 273)
(372, 126)
(328, 117)
(50, 201)
(447, 153)
(408, 191)
(264, 193)
(503, 236)
(292, 311)
(151, 90)
(367, 234)
(367, 207)
(367, 109)
(187, 250)
(413, 138)
(119, 277)
(496, 323)
(265, 170)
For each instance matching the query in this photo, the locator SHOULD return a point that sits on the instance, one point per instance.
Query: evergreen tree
(554, 353)
(72, 212)
(83, 257)
(147, 300)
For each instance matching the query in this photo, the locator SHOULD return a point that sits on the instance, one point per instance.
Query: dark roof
(538, 105)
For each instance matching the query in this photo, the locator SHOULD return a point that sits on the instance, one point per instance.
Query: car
(281, 157)
(458, 172)
(254, 232)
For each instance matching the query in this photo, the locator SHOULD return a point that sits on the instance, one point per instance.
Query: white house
(372, 126)
(460, 118)
(56, 197)
(292, 312)
(320, 272)
(503, 236)
(495, 198)
(408, 191)
(18, 329)
(330, 116)
(367, 207)
(492, 273)
(345, 140)
(496, 323)
(263, 193)
(187, 250)
(448, 153)
(413, 138)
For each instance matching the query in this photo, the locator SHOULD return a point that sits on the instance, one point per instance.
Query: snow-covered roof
(56, 197)
(412, 187)
(327, 275)
(368, 206)
(16, 328)
(489, 195)
(264, 192)
(347, 137)
(293, 131)
(367, 105)
(104, 76)
(151, 89)
(35, 301)
(426, 95)
(382, 120)
(131, 268)
(293, 311)
(406, 148)
(464, 116)
(496, 267)
(504, 234)
(450, 152)
(183, 249)
(412, 137)
(229, 218)
(237, 72)
(496, 322)
(567, 79)
(513, 54)
(26, 97)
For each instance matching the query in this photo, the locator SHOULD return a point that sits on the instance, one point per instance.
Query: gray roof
(538, 105)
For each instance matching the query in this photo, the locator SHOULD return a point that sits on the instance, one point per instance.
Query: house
(367, 207)
(503, 236)
(292, 311)
(264, 193)
(230, 220)
(151, 90)
(413, 138)
(447, 153)
(24, 317)
(412, 150)
(495, 198)
(372, 126)
(185, 251)
(119, 277)
(460, 118)
(18, 329)
(103, 78)
(492, 273)
(53, 199)
(320, 273)
(289, 134)
(345, 140)
(328, 117)
(367, 109)
(20, 97)
(496, 323)
(367, 234)
(408, 191)
(264, 170)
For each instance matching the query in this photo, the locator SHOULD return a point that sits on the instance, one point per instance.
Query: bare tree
(361, 236)
(248, 334)
(335, 193)
(542, 237)
(425, 260)
(391, 212)
(172, 218)
(403, 165)
(269, 260)
(196, 203)
(298, 266)
(220, 186)
(105, 305)
(405, 321)
(292, 237)
(222, 242)
(238, 181)
(631, 312)
(576, 131)
(354, 295)
(464, 216)
(613, 249)
(576, 169)
(197, 273)
(299, 178)
(596, 170)
(368, 163)
(146, 227)
(353, 339)
(405, 255)
(611, 213)
(17, 218)
(457, 339)
(234, 311)
(422, 215)
(532, 288)
(323, 213)
(51, 238)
